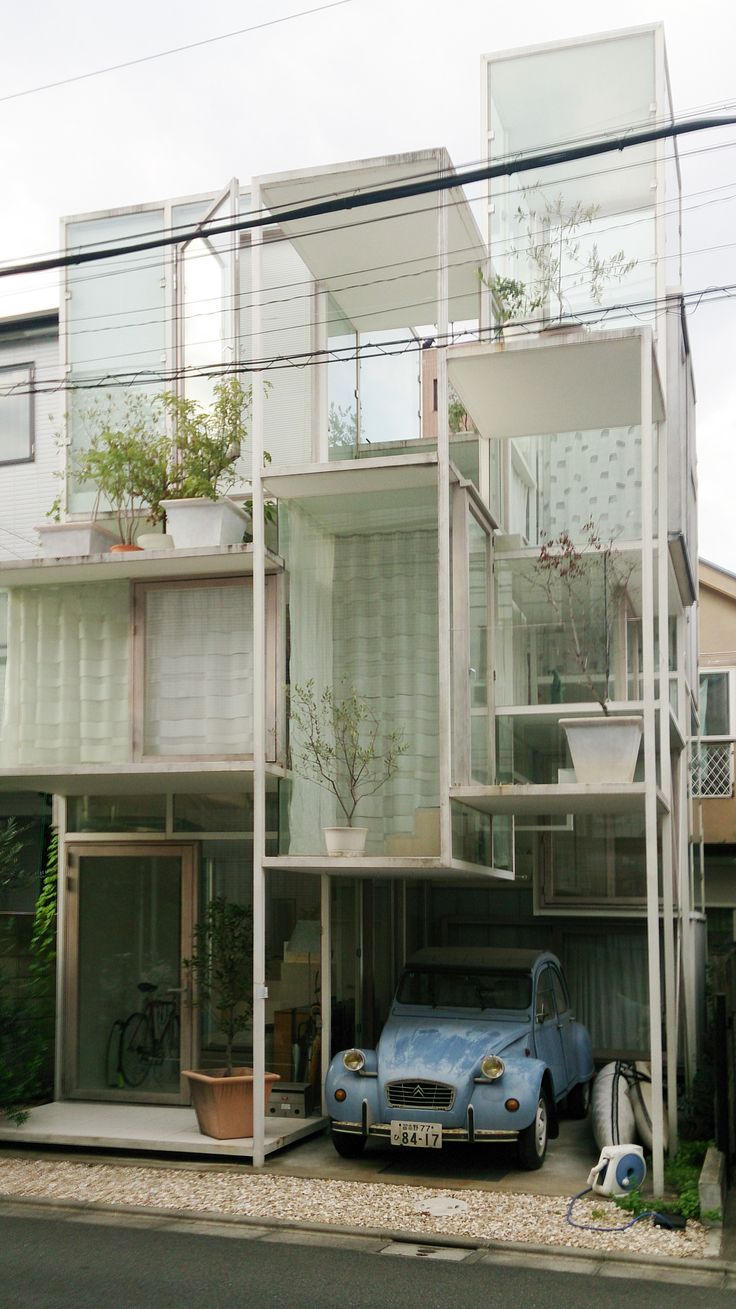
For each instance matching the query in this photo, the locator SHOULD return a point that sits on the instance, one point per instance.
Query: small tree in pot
(585, 587)
(337, 742)
(221, 968)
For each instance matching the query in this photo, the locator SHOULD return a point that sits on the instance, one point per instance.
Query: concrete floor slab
(143, 1128)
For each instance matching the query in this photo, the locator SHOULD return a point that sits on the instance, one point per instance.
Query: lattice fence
(711, 774)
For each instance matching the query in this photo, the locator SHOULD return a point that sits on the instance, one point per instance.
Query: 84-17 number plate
(422, 1134)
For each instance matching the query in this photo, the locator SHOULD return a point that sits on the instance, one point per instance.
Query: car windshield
(460, 988)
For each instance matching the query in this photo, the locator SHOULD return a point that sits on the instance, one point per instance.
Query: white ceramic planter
(155, 541)
(604, 749)
(345, 841)
(194, 523)
(64, 540)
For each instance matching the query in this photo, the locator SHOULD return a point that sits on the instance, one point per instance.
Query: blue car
(480, 1046)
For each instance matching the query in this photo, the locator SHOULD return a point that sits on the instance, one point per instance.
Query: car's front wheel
(348, 1144)
(532, 1143)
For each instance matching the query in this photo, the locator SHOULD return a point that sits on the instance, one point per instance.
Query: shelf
(567, 798)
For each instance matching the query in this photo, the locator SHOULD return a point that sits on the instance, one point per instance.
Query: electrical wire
(174, 50)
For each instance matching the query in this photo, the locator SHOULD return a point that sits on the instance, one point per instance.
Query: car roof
(480, 957)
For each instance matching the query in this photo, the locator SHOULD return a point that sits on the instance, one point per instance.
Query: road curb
(631, 1260)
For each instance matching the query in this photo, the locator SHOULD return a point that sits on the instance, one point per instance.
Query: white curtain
(310, 552)
(66, 698)
(199, 670)
(385, 625)
(608, 977)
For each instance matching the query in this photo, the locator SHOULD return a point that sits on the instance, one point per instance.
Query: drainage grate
(427, 1251)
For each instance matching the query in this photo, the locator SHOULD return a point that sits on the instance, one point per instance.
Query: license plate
(421, 1134)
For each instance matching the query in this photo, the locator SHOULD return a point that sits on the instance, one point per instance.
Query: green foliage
(712, 1216)
(27, 1008)
(128, 460)
(338, 744)
(11, 849)
(682, 1173)
(222, 966)
(209, 441)
(342, 430)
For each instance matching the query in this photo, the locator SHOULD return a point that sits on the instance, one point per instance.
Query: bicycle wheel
(113, 1075)
(135, 1050)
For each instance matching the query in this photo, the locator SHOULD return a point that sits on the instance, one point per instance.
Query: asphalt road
(113, 1262)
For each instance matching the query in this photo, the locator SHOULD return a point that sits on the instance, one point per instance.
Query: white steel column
(650, 762)
(443, 542)
(325, 977)
(259, 718)
(669, 921)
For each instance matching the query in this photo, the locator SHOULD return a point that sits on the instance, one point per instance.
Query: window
(16, 414)
(712, 761)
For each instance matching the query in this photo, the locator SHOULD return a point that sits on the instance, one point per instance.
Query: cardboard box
(291, 1100)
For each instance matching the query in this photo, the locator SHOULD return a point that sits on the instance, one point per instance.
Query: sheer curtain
(66, 699)
(608, 980)
(198, 681)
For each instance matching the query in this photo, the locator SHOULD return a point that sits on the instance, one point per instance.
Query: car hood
(443, 1049)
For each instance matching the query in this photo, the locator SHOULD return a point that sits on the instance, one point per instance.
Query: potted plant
(209, 442)
(585, 586)
(128, 461)
(338, 743)
(221, 968)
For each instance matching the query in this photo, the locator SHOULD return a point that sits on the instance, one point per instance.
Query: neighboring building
(713, 775)
(146, 693)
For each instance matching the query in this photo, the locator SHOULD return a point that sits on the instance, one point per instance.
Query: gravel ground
(500, 1217)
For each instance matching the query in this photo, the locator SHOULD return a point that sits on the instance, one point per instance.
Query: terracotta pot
(122, 548)
(224, 1105)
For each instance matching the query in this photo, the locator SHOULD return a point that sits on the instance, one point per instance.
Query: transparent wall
(116, 322)
(566, 638)
(286, 341)
(578, 236)
(293, 1007)
(373, 388)
(478, 560)
(601, 857)
(363, 615)
(67, 675)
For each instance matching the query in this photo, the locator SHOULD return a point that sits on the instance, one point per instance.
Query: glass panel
(199, 670)
(206, 300)
(129, 936)
(714, 706)
(226, 869)
(25, 817)
(213, 813)
(471, 835)
(67, 675)
(342, 384)
(286, 333)
(363, 614)
(544, 228)
(601, 858)
(116, 813)
(293, 976)
(478, 548)
(16, 413)
(607, 975)
(389, 388)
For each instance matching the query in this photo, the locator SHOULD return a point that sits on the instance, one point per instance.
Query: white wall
(27, 490)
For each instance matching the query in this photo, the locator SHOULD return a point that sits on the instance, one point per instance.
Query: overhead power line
(175, 50)
(379, 195)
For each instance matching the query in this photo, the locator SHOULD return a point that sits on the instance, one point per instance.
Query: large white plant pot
(604, 749)
(194, 523)
(345, 841)
(63, 540)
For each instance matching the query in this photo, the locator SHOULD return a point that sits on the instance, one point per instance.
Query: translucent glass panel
(293, 976)
(560, 643)
(286, 340)
(363, 614)
(602, 858)
(532, 750)
(67, 675)
(129, 933)
(568, 233)
(373, 389)
(116, 813)
(198, 673)
(16, 413)
(206, 290)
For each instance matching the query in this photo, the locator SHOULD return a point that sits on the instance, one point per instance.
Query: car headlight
(492, 1067)
(354, 1060)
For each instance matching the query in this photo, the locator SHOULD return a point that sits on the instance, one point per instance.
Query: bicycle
(145, 1040)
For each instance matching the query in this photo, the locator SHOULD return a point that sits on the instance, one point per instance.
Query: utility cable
(175, 50)
(383, 195)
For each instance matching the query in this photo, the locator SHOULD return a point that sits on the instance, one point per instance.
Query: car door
(548, 1041)
(566, 1024)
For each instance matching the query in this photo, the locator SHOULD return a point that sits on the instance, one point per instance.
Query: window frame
(705, 740)
(29, 367)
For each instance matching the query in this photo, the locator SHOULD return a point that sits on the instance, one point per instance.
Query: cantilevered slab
(136, 565)
(380, 262)
(570, 798)
(547, 382)
(184, 777)
(353, 476)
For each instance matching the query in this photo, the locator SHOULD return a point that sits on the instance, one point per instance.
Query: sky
(369, 77)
